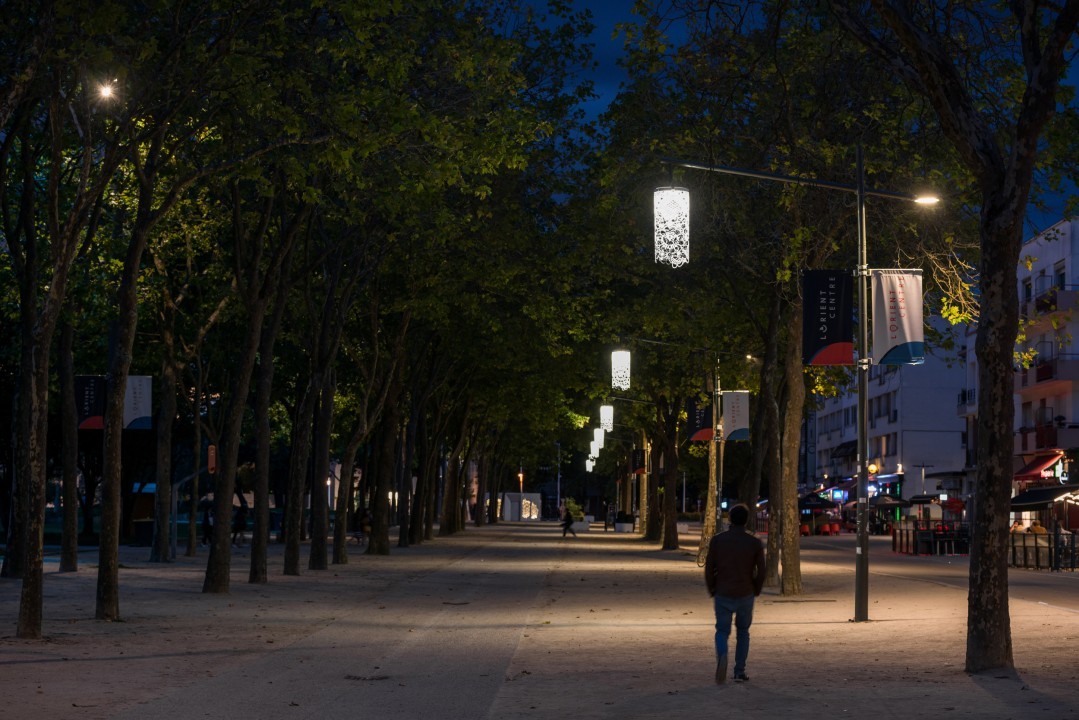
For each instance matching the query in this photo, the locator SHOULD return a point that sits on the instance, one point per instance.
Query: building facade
(914, 435)
(1047, 382)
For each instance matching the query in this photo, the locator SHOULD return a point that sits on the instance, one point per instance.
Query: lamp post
(666, 234)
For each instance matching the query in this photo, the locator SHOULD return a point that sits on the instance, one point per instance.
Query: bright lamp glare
(105, 91)
(927, 199)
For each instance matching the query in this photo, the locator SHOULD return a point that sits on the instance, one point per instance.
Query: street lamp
(620, 369)
(606, 417)
(671, 206)
(861, 272)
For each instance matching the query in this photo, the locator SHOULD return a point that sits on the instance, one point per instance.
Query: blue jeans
(742, 610)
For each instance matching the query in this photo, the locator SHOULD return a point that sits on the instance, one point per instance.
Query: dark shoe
(741, 677)
(721, 670)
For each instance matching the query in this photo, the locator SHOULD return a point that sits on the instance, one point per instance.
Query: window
(1058, 275)
(1027, 289)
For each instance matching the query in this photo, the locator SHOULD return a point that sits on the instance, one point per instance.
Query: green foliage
(574, 509)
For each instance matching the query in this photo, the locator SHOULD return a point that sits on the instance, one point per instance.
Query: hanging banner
(638, 462)
(137, 410)
(735, 407)
(698, 420)
(827, 317)
(90, 401)
(898, 332)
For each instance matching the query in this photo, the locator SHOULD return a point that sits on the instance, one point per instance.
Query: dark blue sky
(609, 76)
(605, 15)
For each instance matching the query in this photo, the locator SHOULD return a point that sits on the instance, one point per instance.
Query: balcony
(1046, 437)
(1051, 300)
(1059, 369)
(967, 403)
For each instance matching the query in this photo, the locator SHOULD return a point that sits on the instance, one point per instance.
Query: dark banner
(638, 462)
(698, 420)
(90, 401)
(827, 317)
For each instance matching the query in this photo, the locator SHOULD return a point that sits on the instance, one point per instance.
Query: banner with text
(90, 401)
(138, 414)
(698, 420)
(735, 405)
(827, 317)
(898, 332)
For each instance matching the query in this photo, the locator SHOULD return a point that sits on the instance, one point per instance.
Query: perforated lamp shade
(597, 435)
(606, 417)
(671, 207)
(620, 370)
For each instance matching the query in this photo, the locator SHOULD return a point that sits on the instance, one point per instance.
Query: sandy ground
(513, 621)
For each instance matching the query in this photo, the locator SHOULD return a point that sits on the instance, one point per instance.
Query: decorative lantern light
(671, 206)
(588, 465)
(620, 370)
(597, 434)
(606, 417)
(593, 449)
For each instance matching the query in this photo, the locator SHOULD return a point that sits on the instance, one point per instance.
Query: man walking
(734, 573)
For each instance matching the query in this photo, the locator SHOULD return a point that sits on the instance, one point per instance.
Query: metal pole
(558, 478)
(717, 425)
(861, 567)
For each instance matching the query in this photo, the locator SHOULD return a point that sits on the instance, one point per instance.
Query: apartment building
(1047, 387)
(916, 440)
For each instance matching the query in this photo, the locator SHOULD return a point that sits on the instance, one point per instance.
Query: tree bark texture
(299, 458)
(161, 549)
(320, 447)
(787, 507)
(69, 429)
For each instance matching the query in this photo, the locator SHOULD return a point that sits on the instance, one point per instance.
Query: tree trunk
(787, 506)
(31, 497)
(346, 498)
(161, 549)
(320, 511)
(69, 429)
(405, 491)
(122, 343)
(260, 532)
(989, 640)
(299, 459)
(651, 511)
(197, 491)
(379, 542)
(670, 504)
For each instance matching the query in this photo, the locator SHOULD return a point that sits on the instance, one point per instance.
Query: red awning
(1034, 468)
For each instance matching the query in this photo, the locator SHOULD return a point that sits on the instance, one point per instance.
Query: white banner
(898, 331)
(735, 419)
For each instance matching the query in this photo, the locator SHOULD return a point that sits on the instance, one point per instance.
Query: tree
(53, 173)
(992, 75)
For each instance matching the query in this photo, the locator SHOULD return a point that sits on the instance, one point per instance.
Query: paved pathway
(512, 621)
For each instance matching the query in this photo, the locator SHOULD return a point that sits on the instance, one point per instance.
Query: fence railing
(1042, 551)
